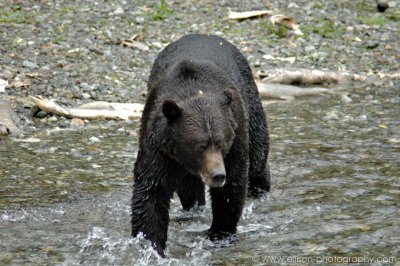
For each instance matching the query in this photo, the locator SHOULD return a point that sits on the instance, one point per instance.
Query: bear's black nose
(218, 175)
(219, 178)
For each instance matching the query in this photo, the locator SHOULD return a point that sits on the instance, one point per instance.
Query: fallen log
(248, 14)
(96, 110)
(288, 92)
(99, 105)
(302, 76)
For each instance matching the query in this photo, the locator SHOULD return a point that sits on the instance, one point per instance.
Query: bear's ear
(227, 96)
(171, 110)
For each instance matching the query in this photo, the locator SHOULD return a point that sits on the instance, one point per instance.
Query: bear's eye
(219, 144)
(203, 147)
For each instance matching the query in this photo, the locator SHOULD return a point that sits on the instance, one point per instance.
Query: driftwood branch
(288, 92)
(314, 77)
(283, 20)
(279, 83)
(286, 21)
(248, 14)
(303, 76)
(96, 110)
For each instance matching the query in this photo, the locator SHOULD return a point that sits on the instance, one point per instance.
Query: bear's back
(208, 48)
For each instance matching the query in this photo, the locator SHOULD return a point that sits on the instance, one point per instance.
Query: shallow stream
(65, 196)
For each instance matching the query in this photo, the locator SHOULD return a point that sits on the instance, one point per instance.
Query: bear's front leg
(150, 214)
(228, 202)
(191, 192)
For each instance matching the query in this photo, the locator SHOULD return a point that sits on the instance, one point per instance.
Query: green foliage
(16, 17)
(162, 12)
(102, 22)
(326, 28)
(376, 20)
(58, 39)
(234, 29)
(393, 15)
(279, 30)
(65, 10)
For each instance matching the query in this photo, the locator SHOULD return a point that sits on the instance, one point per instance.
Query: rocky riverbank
(82, 51)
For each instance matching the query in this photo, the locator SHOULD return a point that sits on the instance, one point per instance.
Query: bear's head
(201, 131)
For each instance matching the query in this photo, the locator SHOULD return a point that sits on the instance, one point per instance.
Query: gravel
(71, 50)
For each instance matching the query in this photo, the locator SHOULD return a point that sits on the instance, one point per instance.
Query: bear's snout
(218, 177)
(213, 168)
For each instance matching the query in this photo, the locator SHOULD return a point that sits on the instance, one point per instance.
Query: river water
(64, 195)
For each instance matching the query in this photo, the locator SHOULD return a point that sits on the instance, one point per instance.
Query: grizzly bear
(202, 124)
